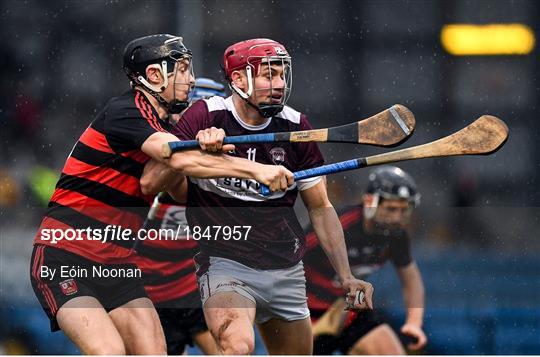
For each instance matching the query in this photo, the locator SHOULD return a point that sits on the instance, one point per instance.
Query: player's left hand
(417, 333)
(359, 294)
(211, 140)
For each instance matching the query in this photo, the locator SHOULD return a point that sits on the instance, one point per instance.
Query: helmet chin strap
(175, 106)
(266, 110)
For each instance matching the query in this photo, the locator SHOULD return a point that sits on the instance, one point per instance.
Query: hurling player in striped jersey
(99, 191)
(376, 232)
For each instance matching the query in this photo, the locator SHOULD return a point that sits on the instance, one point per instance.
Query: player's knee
(235, 340)
(379, 341)
(239, 346)
(153, 340)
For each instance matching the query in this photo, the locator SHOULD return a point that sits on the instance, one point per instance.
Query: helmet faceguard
(162, 52)
(255, 57)
(390, 182)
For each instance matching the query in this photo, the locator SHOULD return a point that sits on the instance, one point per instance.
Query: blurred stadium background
(477, 232)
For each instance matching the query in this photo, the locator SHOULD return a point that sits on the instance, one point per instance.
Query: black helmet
(162, 50)
(391, 182)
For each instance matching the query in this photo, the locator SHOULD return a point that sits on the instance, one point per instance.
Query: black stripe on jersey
(158, 279)
(103, 193)
(77, 220)
(119, 163)
(164, 255)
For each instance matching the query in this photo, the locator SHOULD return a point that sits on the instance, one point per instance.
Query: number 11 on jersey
(251, 153)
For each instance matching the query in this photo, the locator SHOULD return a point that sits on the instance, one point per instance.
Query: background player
(170, 275)
(259, 278)
(99, 187)
(375, 232)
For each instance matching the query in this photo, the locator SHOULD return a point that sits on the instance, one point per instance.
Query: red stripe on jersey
(311, 240)
(139, 102)
(104, 175)
(136, 155)
(350, 218)
(97, 210)
(149, 111)
(317, 304)
(104, 253)
(172, 290)
(351, 316)
(319, 279)
(346, 221)
(142, 110)
(95, 140)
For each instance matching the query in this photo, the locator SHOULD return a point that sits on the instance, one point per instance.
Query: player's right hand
(277, 178)
(359, 294)
(211, 140)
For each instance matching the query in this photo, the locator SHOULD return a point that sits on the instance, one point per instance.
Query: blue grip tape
(322, 170)
(240, 139)
(327, 169)
(247, 139)
(183, 145)
(265, 190)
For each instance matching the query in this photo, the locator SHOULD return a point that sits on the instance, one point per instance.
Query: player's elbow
(149, 186)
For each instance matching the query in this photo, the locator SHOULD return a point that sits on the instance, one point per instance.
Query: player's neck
(162, 112)
(247, 113)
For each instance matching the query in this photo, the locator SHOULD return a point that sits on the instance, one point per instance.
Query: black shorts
(354, 329)
(179, 326)
(113, 285)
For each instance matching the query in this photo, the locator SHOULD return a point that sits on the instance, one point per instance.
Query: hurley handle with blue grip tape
(323, 170)
(240, 139)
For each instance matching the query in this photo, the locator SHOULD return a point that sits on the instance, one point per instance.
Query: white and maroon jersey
(276, 239)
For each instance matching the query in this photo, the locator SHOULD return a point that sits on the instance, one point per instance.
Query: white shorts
(277, 293)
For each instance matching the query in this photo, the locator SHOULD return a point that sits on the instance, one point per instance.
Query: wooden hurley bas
(387, 128)
(482, 137)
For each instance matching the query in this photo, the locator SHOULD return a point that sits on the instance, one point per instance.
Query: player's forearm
(201, 164)
(179, 191)
(415, 316)
(158, 177)
(328, 229)
(413, 296)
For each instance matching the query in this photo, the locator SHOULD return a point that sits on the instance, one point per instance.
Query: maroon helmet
(251, 55)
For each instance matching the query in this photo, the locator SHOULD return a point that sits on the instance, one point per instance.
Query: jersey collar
(230, 106)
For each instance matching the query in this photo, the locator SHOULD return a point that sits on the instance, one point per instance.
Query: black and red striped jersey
(99, 184)
(167, 265)
(220, 206)
(367, 253)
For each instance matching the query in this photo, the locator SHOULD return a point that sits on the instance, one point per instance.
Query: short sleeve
(400, 250)
(128, 126)
(309, 156)
(195, 118)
